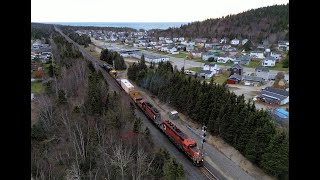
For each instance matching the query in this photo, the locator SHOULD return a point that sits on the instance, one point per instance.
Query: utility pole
(204, 130)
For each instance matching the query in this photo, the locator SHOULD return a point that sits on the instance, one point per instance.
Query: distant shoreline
(134, 25)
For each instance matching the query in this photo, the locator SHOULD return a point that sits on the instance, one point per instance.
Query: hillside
(270, 22)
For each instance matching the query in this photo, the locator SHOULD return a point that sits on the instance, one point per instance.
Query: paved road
(159, 139)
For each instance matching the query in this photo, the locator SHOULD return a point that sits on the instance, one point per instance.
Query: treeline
(113, 57)
(41, 31)
(239, 123)
(84, 131)
(67, 52)
(70, 32)
(114, 29)
(82, 40)
(271, 23)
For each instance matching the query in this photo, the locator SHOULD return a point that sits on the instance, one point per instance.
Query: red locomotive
(180, 139)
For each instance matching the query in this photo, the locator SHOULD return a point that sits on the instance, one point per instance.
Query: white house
(269, 62)
(244, 41)
(206, 74)
(283, 45)
(235, 41)
(224, 59)
(196, 54)
(275, 55)
(257, 54)
(210, 67)
(223, 40)
(161, 38)
(164, 49)
(169, 41)
(181, 38)
(206, 56)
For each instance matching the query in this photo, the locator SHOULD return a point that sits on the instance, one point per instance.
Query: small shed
(174, 115)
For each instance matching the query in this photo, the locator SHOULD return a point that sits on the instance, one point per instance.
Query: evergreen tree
(276, 157)
(173, 170)
(62, 97)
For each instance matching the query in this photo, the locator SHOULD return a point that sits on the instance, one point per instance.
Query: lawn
(36, 87)
(181, 55)
(278, 67)
(222, 78)
(198, 60)
(196, 69)
(253, 64)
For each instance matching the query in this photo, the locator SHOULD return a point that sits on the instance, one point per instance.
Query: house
(236, 69)
(243, 59)
(225, 47)
(208, 45)
(200, 44)
(207, 74)
(234, 79)
(260, 48)
(172, 50)
(235, 42)
(206, 56)
(261, 69)
(224, 58)
(189, 48)
(244, 41)
(210, 67)
(273, 95)
(181, 39)
(196, 54)
(269, 62)
(275, 55)
(200, 40)
(283, 45)
(161, 38)
(257, 54)
(223, 41)
(168, 41)
(150, 58)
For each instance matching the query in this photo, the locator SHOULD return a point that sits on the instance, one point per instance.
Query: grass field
(222, 78)
(36, 87)
(253, 64)
(278, 67)
(181, 55)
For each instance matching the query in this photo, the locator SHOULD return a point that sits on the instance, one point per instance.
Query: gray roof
(270, 58)
(277, 91)
(235, 76)
(267, 94)
(244, 58)
(237, 66)
(205, 72)
(262, 68)
(253, 78)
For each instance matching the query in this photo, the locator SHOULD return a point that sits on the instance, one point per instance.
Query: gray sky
(140, 10)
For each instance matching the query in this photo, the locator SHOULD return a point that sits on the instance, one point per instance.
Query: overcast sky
(140, 10)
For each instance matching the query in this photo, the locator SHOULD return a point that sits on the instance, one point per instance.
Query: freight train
(180, 139)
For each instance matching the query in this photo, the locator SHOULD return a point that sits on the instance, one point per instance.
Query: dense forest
(82, 40)
(114, 29)
(41, 31)
(112, 56)
(270, 23)
(84, 131)
(247, 129)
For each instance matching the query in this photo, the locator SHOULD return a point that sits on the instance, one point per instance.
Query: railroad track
(208, 173)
